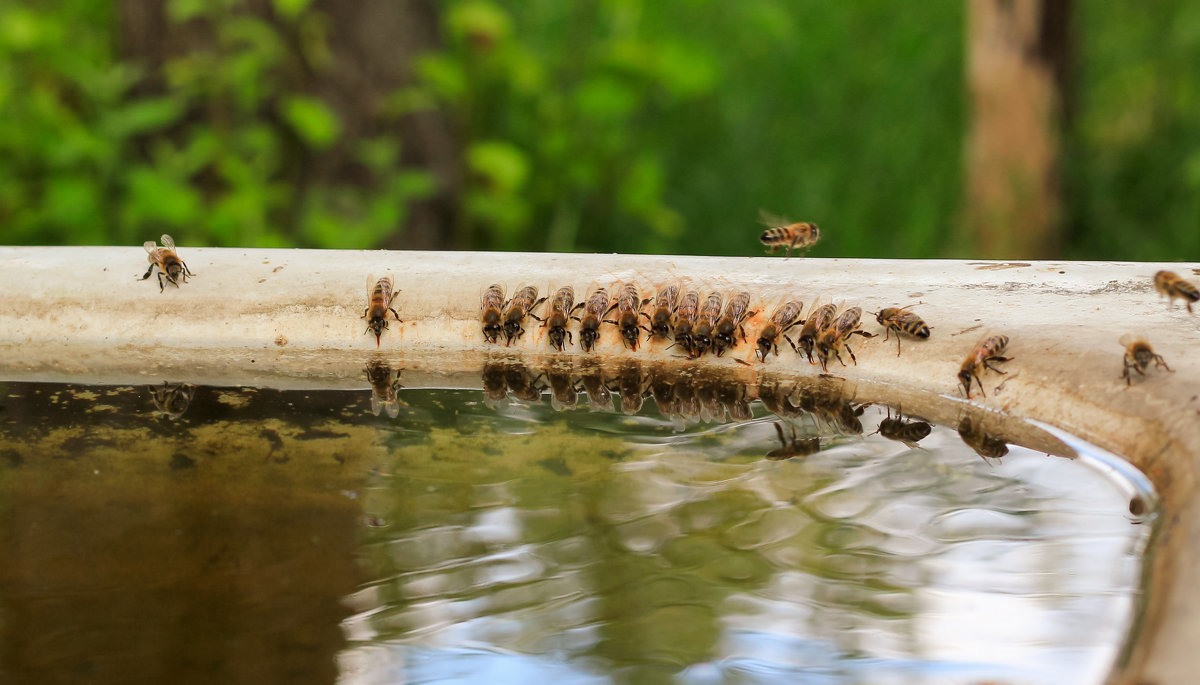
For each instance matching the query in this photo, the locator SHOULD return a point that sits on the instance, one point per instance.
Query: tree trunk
(372, 44)
(1017, 71)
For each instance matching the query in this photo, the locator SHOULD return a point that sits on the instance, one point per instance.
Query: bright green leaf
(502, 165)
(290, 9)
(312, 120)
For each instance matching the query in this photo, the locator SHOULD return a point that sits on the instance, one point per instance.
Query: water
(182, 534)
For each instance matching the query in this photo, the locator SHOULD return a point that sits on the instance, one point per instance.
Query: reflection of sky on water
(690, 560)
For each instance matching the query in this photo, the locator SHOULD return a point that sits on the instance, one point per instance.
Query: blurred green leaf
(312, 120)
(479, 22)
(141, 116)
(290, 9)
(502, 165)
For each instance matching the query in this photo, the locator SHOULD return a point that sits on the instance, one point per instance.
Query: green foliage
(596, 125)
(93, 151)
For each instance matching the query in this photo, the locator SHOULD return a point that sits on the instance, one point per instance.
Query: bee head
(964, 377)
(631, 335)
(376, 325)
(879, 317)
(721, 341)
(558, 335)
(513, 330)
(588, 337)
(700, 345)
(492, 331)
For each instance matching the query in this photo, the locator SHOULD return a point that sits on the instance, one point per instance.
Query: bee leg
(186, 270)
(570, 339)
(611, 321)
(535, 316)
(988, 365)
(611, 307)
(161, 285)
(790, 343)
(147, 274)
(1159, 361)
(575, 308)
(398, 319)
(976, 377)
(897, 344)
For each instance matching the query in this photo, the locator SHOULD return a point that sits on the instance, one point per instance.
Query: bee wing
(168, 242)
(370, 285)
(151, 246)
(1128, 339)
(772, 220)
(503, 292)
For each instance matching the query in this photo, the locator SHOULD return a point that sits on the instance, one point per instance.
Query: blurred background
(996, 128)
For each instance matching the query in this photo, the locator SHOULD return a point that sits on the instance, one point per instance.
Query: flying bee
(1138, 356)
(384, 384)
(706, 320)
(627, 305)
(818, 320)
(781, 232)
(985, 352)
(795, 447)
(685, 320)
(379, 303)
(908, 432)
(560, 317)
(730, 324)
(1165, 282)
(171, 269)
(977, 438)
(593, 313)
(837, 335)
(664, 310)
(515, 310)
(492, 304)
(785, 317)
(900, 320)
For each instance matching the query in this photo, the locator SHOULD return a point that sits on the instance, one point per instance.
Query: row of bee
(697, 326)
(694, 325)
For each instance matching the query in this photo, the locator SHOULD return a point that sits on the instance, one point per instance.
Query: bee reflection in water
(171, 400)
(976, 437)
(385, 381)
(796, 447)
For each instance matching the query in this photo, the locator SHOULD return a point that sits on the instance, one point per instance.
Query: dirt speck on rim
(281, 340)
(991, 266)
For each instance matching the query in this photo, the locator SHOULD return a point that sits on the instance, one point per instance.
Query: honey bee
(1138, 356)
(725, 333)
(781, 232)
(593, 313)
(379, 303)
(1165, 282)
(785, 317)
(560, 317)
(515, 310)
(983, 354)
(492, 304)
(384, 384)
(908, 432)
(795, 447)
(172, 399)
(706, 320)
(818, 320)
(664, 310)
(171, 269)
(685, 320)
(977, 438)
(627, 305)
(837, 335)
(899, 320)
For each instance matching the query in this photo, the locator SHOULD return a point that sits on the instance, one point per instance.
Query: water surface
(181, 534)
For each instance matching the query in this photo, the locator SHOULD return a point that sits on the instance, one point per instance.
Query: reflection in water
(172, 399)
(977, 438)
(796, 447)
(908, 432)
(278, 536)
(385, 381)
